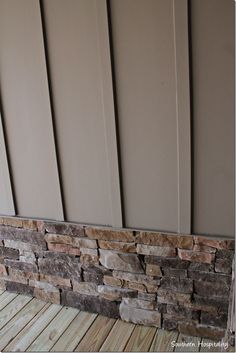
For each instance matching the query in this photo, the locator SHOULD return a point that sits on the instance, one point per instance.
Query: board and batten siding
(119, 112)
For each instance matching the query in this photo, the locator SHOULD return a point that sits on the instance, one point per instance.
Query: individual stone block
(208, 289)
(147, 296)
(21, 266)
(12, 222)
(167, 262)
(165, 240)
(117, 245)
(19, 245)
(64, 228)
(169, 323)
(19, 288)
(170, 297)
(219, 302)
(203, 248)
(196, 266)
(60, 266)
(179, 311)
(55, 281)
(29, 224)
(177, 284)
(21, 276)
(108, 234)
(52, 297)
(151, 288)
(58, 238)
(161, 308)
(94, 273)
(139, 303)
(115, 293)
(23, 235)
(201, 331)
(27, 256)
(193, 256)
(111, 281)
(122, 262)
(218, 244)
(174, 272)
(155, 250)
(3, 271)
(91, 304)
(89, 256)
(135, 277)
(9, 253)
(210, 277)
(136, 286)
(212, 319)
(153, 270)
(84, 243)
(223, 266)
(140, 316)
(63, 248)
(86, 288)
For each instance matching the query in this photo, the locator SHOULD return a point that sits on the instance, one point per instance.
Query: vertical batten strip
(7, 205)
(63, 213)
(109, 113)
(180, 12)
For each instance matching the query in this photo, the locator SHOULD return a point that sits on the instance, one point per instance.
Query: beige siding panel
(75, 67)
(144, 57)
(26, 107)
(212, 25)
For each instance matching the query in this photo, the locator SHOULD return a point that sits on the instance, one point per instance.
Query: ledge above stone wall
(165, 280)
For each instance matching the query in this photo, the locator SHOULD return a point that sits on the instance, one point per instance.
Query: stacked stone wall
(171, 281)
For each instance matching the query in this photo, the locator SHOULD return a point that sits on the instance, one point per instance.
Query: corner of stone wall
(173, 281)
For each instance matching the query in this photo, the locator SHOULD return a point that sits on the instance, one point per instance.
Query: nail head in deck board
(74, 332)
(23, 340)
(12, 308)
(6, 298)
(118, 337)
(96, 335)
(162, 341)
(18, 322)
(141, 339)
(188, 339)
(46, 340)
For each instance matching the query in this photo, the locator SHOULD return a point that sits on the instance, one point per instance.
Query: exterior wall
(95, 113)
(158, 279)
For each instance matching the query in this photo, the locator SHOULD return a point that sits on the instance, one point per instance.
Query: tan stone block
(136, 277)
(155, 250)
(86, 288)
(89, 256)
(108, 234)
(111, 281)
(13, 222)
(204, 248)
(59, 247)
(171, 297)
(55, 281)
(52, 297)
(74, 251)
(17, 276)
(165, 240)
(117, 245)
(153, 270)
(140, 316)
(151, 288)
(58, 238)
(84, 243)
(137, 286)
(226, 244)
(29, 224)
(202, 257)
(120, 261)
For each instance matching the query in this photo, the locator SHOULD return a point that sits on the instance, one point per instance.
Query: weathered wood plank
(209, 346)
(118, 337)
(163, 341)
(12, 308)
(141, 339)
(96, 335)
(74, 333)
(18, 322)
(6, 298)
(46, 340)
(24, 339)
(189, 343)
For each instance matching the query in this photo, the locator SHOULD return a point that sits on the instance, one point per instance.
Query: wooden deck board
(19, 321)
(164, 341)
(11, 309)
(74, 333)
(33, 325)
(209, 349)
(96, 335)
(118, 337)
(141, 339)
(46, 340)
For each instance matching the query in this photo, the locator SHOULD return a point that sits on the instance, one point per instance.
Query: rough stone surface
(117, 245)
(169, 322)
(223, 266)
(167, 262)
(29, 224)
(221, 303)
(19, 288)
(147, 296)
(217, 289)
(174, 272)
(23, 235)
(55, 281)
(139, 303)
(210, 277)
(94, 273)
(134, 277)
(86, 288)
(61, 266)
(87, 303)
(153, 270)
(64, 228)
(19, 245)
(177, 284)
(218, 320)
(52, 297)
(108, 234)
(140, 316)
(115, 293)
(183, 312)
(155, 250)
(3, 271)
(122, 262)
(9, 253)
(12, 221)
(170, 297)
(111, 281)
(195, 256)
(218, 244)
(201, 331)
(165, 240)
(21, 266)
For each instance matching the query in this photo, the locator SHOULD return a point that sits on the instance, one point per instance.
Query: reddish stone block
(193, 256)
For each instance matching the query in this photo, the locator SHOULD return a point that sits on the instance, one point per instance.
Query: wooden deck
(29, 324)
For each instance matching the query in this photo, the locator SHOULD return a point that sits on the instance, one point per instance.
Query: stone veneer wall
(165, 280)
